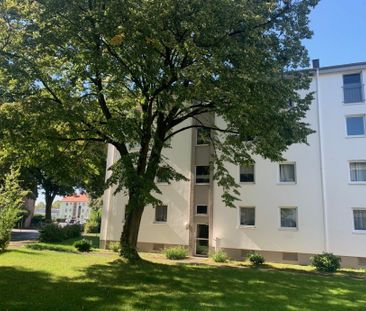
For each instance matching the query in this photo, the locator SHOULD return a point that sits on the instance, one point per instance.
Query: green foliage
(95, 217)
(37, 220)
(219, 256)
(176, 253)
(54, 233)
(326, 262)
(51, 233)
(136, 73)
(83, 245)
(114, 246)
(256, 259)
(48, 247)
(11, 201)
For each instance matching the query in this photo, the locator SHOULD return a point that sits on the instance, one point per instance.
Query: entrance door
(202, 240)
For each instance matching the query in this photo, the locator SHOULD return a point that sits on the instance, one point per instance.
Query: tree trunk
(131, 230)
(49, 201)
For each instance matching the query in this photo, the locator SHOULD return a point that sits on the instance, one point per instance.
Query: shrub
(326, 262)
(92, 226)
(72, 231)
(49, 247)
(114, 246)
(256, 259)
(83, 245)
(219, 256)
(176, 253)
(37, 220)
(8, 218)
(51, 233)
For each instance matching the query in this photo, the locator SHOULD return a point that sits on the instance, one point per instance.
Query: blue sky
(339, 28)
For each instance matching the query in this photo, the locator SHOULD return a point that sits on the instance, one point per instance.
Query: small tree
(11, 200)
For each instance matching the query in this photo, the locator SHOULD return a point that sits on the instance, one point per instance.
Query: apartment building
(313, 202)
(75, 208)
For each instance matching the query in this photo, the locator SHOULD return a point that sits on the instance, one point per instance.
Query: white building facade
(75, 208)
(313, 202)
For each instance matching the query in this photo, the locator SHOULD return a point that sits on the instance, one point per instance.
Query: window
(352, 88)
(247, 173)
(287, 173)
(203, 136)
(358, 171)
(288, 217)
(161, 213)
(359, 219)
(201, 210)
(202, 174)
(247, 216)
(355, 125)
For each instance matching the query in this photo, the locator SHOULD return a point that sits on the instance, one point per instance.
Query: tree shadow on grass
(150, 286)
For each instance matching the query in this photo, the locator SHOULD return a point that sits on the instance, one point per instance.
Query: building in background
(313, 202)
(75, 208)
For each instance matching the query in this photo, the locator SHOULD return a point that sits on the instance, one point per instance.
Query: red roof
(76, 198)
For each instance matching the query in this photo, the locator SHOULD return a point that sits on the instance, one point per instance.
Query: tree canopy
(132, 72)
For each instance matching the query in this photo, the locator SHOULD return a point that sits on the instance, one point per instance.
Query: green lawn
(48, 280)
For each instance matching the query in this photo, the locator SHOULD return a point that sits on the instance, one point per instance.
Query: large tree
(137, 72)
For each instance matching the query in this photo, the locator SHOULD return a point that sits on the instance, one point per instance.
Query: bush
(176, 253)
(72, 231)
(92, 226)
(8, 219)
(83, 245)
(326, 262)
(114, 246)
(37, 220)
(256, 259)
(219, 256)
(54, 233)
(51, 233)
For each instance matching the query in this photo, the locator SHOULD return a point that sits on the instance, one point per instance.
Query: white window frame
(161, 222)
(349, 173)
(249, 182)
(362, 89)
(354, 230)
(297, 219)
(279, 182)
(239, 216)
(197, 214)
(364, 125)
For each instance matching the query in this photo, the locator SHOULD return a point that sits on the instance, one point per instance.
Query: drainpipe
(322, 162)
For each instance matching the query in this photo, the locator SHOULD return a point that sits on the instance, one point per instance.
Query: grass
(49, 280)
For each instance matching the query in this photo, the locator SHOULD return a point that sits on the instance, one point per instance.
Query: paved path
(20, 235)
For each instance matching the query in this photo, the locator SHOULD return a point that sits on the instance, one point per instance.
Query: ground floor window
(161, 213)
(247, 216)
(202, 240)
(288, 217)
(359, 219)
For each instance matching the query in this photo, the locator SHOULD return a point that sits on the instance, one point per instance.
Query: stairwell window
(203, 136)
(161, 214)
(356, 125)
(247, 174)
(358, 171)
(359, 219)
(352, 88)
(202, 174)
(287, 173)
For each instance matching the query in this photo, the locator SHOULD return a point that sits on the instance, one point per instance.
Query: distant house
(75, 208)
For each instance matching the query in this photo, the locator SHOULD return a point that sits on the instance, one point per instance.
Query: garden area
(34, 277)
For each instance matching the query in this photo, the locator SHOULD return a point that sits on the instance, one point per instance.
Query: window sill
(361, 232)
(201, 145)
(201, 215)
(247, 182)
(160, 222)
(247, 227)
(281, 183)
(357, 183)
(355, 136)
(354, 103)
(288, 229)
(202, 184)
